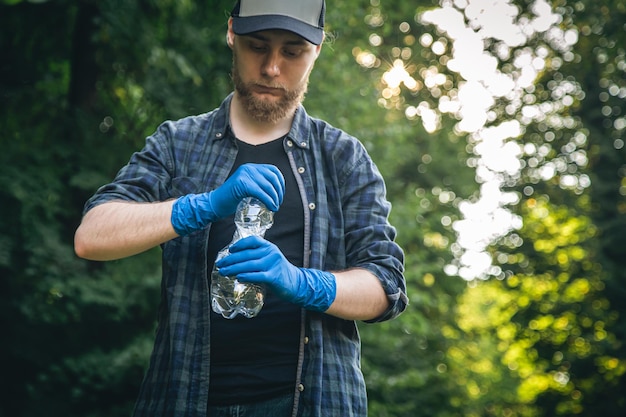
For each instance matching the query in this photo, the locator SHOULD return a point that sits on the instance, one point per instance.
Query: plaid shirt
(346, 225)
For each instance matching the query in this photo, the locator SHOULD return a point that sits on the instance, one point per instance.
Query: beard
(267, 110)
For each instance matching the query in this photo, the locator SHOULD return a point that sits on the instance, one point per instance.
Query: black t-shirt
(256, 359)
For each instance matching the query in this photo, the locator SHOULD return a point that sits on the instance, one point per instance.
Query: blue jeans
(276, 407)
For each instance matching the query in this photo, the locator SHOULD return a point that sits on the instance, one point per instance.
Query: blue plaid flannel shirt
(346, 225)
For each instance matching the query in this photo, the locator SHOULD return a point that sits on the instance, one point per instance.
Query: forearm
(360, 296)
(120, 229)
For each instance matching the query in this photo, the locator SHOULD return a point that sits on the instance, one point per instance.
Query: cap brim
(250, 24)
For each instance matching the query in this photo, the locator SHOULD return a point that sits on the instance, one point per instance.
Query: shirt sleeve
(369, 237)
(146, 176)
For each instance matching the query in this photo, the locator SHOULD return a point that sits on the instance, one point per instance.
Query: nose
(271, 66)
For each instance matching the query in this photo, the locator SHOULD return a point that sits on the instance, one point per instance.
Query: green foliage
(543, 337)
(571, 125)
(83, 84)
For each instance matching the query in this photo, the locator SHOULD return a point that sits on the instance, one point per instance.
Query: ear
(318, 49)
(230, 35)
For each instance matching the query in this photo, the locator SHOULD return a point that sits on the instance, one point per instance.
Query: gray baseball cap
(302, 17)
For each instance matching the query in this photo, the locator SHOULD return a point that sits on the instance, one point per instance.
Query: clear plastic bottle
(230, 297)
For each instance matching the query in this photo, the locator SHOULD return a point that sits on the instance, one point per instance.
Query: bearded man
(329, 260)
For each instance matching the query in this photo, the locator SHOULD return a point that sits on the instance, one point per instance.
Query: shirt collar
(221, 124)
(300, 128)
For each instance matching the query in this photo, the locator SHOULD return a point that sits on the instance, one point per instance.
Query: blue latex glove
(195, 211)
(254, 259)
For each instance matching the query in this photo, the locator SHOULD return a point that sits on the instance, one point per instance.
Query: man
(329, 259)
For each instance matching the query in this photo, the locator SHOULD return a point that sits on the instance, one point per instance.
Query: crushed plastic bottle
(230, 297)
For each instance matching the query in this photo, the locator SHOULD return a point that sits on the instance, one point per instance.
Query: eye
(292, 52)
(256, 47)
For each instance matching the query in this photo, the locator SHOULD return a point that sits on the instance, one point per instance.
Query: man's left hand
(254, 259)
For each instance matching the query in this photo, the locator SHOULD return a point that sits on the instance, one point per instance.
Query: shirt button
(300, 387)
(303, 144)
(289, 143)
(306, 340)
(218, 135)
(301, 170)
(312, 206)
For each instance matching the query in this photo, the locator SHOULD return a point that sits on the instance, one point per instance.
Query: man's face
(271, 72)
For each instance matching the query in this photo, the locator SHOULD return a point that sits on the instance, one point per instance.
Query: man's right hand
(195, 211)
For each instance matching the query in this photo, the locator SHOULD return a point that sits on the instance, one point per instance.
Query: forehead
(278, 36)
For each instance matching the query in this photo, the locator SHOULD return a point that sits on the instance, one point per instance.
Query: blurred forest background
(498, 125)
